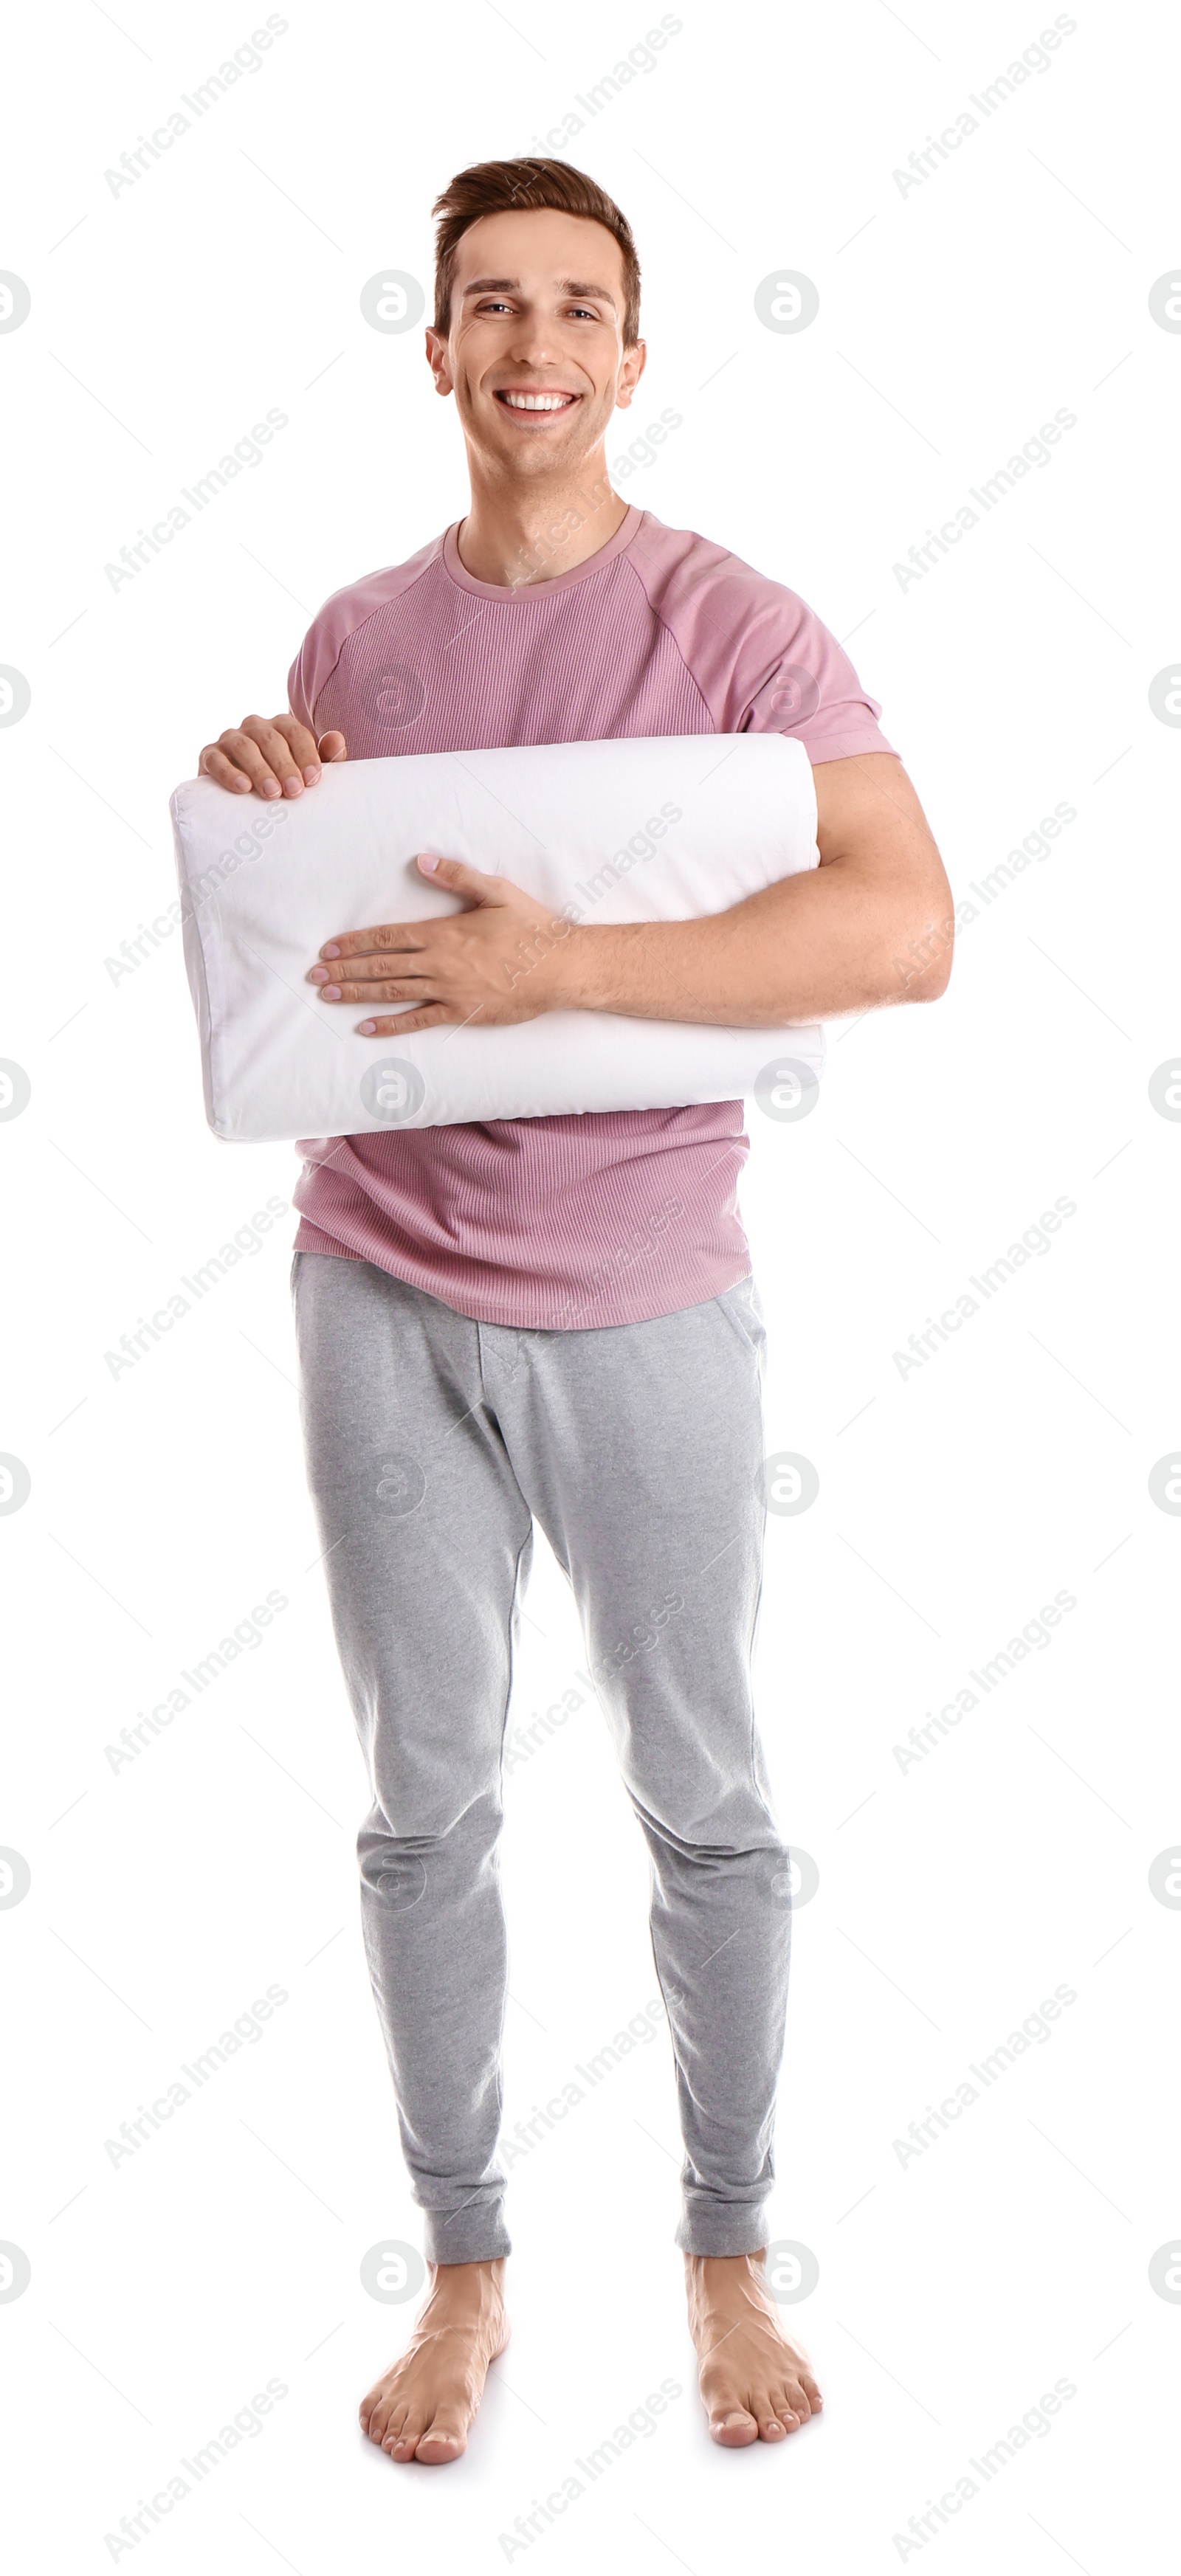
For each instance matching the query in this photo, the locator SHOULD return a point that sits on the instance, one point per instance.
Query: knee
(400, 1853)
(392, 1870)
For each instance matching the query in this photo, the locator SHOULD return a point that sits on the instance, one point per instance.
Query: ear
(634, 361)
(436, 356)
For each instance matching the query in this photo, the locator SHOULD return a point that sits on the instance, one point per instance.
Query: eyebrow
(512, 285)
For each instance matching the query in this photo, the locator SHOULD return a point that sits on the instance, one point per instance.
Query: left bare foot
(756, 2384)
(423, 2407)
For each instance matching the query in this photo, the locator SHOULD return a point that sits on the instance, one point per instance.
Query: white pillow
(660, 829)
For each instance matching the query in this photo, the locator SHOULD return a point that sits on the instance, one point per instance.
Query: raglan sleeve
(305, 678)
(805, 684)
(762, 659)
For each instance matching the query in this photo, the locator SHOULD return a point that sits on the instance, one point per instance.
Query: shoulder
(341, 616)
(678, 566)
(761, 657)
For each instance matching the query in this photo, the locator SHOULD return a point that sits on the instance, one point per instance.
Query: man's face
(535, 354)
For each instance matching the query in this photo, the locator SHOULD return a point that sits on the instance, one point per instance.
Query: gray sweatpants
(432, 1443)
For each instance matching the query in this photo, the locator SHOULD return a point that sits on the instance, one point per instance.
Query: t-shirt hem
(541, 1315)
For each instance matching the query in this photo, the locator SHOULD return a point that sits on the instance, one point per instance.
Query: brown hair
(513, 187)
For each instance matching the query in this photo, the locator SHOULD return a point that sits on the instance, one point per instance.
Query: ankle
(474, 2289)
(719, 2268)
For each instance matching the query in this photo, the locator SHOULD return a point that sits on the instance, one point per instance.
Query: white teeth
(538, 402)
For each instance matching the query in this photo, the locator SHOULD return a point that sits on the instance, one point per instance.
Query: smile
(537, 402)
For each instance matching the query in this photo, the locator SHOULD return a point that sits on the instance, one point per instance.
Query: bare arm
(872, 924)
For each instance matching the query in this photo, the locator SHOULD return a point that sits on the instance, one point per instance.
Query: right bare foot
(424, 2406)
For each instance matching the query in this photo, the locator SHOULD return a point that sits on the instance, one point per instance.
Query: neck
(514, 536)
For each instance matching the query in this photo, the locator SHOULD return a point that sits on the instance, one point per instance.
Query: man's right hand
(275, 757)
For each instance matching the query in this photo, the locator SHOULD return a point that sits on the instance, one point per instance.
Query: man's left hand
(494, 963)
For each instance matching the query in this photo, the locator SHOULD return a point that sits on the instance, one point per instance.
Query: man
(555, 1317)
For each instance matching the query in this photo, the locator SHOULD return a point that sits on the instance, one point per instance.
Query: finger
(430, 1017)
(302, 745)
(459, 878)
(332, 747)
(269, 736)
(369, 969)
(216, 764)
(408, 936)
(242, 762)
(379, 990)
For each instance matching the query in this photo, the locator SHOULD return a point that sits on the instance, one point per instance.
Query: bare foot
(424, 2406)
(756, 2384)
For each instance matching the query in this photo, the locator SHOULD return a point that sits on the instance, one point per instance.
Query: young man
(555, 1317)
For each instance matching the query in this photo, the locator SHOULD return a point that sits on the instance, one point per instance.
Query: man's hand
(871, 925)
(278, 757)
(497, 962)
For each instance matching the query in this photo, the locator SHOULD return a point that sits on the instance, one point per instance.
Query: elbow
(919, 965)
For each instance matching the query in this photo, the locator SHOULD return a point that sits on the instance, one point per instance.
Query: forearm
(810, 947)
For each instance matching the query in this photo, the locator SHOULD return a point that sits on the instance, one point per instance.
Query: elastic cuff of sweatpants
(477, 2234)
(723, 2227)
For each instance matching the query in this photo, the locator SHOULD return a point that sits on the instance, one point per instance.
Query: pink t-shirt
(573, 1221)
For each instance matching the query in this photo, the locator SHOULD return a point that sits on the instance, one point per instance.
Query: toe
(402, 2443)
(442, 2441)
(766, 2413)
(734, 2426)
(393, 2422)
(370, 2401)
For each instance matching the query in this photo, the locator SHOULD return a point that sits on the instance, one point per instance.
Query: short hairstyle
(516, 187)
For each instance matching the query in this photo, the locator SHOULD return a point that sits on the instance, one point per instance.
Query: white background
(953, 1895)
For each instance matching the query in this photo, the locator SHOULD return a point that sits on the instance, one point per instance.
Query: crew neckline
(464, 580)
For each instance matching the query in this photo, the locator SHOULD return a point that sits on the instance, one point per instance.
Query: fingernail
(367, 1028)
(427, 860)
(310, 776)
(318, 975)
(330, 992)
(293, 785)
(270, 787)
(330, 949)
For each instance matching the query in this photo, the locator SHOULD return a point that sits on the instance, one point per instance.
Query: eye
(591, 315)
(492, 304)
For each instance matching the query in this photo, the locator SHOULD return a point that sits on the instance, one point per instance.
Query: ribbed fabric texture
(561, 1223)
